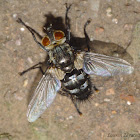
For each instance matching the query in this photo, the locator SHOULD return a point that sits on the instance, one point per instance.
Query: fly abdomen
(74, 79)
(77, 83)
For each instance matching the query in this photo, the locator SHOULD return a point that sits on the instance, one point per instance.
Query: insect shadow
(96, 46)
(78, 43)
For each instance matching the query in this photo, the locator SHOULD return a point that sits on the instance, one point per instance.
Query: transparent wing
(43, 96)
(103, 65)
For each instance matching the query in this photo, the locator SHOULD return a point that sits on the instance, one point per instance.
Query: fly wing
(103, 65)
(43, 96)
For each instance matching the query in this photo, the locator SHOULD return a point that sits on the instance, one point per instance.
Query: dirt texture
(113, 113)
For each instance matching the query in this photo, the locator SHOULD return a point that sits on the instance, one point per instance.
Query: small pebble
(22, 29)
(110, 91)
(109, 12)
(96, 104)
(128, 102)
(121, 79)
(70, 118)
(91, 38)
(128, 27)
(18, 42)
(99, 30)
(113, 112)
(115, 20)
(129, 98)
(14, 15)
(107, 100)
(30, 60)
(25, 83)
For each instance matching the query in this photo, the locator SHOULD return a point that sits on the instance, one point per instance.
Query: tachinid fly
(69, 70)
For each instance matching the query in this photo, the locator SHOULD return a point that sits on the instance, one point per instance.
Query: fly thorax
(62, 57)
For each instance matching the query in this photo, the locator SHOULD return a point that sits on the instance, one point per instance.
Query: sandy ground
(113, 113)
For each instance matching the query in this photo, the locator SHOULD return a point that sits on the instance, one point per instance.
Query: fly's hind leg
(64, 93)
(95, 88)
(76, 105)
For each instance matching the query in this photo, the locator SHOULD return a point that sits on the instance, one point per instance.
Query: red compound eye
(46, 41)
(58, 35)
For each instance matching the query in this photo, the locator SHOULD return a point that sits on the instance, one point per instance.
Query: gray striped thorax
(62, 56)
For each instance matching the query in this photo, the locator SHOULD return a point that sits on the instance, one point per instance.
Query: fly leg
(96, 89)
(38, 65)
(86, 35)
(67, 23)
(33, 32)
(76, 105)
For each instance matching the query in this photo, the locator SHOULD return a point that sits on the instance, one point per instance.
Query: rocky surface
(113, 113)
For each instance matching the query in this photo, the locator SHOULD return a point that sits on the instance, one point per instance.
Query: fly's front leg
(86, 35)
(33, 32)
(38, 65)
(67, 23)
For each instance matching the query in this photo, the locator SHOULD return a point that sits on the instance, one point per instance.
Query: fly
(68, 69)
